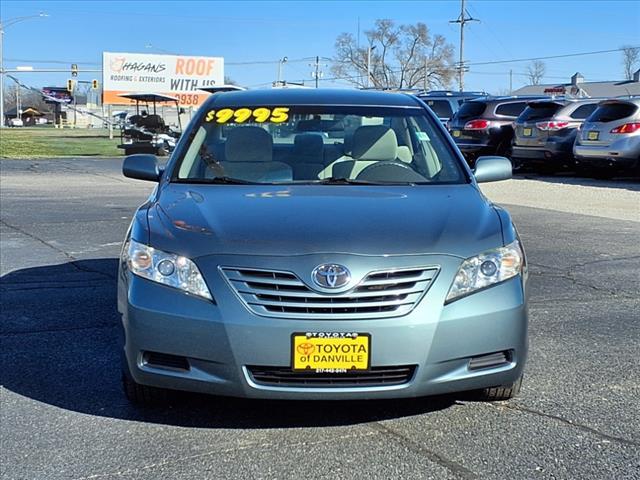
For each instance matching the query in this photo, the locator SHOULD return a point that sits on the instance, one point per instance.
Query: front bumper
(221, 340)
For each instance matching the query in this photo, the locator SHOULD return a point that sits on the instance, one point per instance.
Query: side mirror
(492, 169)
(142, 166)
(181, 111)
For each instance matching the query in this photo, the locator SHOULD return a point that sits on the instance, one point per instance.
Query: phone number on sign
(188, 99)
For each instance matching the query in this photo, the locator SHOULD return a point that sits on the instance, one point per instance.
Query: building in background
(578, 87)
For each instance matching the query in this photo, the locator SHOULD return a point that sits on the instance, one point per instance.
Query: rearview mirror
(182, 111)
(142, 166)
(492, 169)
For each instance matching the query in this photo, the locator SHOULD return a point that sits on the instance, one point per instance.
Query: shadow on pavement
(59, 331)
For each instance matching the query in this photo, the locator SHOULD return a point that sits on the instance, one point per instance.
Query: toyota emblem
(331, 275)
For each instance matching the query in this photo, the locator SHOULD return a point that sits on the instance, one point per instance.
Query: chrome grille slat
(309, 294)
(282, 294)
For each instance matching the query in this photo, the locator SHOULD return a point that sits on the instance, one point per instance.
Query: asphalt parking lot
(63, 415)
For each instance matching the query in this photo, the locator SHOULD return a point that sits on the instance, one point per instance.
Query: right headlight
(167, 268)
(488, 268)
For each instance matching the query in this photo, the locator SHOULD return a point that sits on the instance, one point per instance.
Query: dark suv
(545, 132)
(445, 103)
(484, 126)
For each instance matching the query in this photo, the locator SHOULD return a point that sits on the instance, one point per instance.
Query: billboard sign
(57, 95)
(174, 75)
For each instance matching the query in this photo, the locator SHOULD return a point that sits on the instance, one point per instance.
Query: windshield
(538, 111)
(471, 109)
(608, 112)
(303, 144)
(442, 108)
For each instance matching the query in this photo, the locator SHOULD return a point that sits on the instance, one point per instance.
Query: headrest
(308, 144)
(248, 144)
(374, 142)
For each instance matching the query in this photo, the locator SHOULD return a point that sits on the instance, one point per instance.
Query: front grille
(377, 376)
(282, 294)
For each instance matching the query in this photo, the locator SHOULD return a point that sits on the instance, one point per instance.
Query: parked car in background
(444, 103)
(609, 140)
(545, 132)
(484, 126)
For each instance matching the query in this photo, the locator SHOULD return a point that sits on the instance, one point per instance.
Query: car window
(539, 110)
(612, 111)
(442, 108)
(304, 144)
(583, 111)
(471, 109)
(511, 109)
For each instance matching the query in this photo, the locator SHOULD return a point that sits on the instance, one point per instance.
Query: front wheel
(143, 395)
(496, 394)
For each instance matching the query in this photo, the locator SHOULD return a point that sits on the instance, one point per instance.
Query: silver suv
(609, 139)
(546, 131)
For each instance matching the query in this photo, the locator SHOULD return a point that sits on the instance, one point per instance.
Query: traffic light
(74, 69)
(70, 85)
(94, 84)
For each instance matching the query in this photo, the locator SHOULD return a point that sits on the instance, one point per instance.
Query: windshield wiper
(342, 181)
(222, 180)
(354, 181)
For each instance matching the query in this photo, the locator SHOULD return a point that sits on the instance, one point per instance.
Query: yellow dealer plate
(456, 133)
(593, 135)
(330, 352)
(527, 132)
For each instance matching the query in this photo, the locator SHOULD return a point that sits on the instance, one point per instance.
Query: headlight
(486, 269)
(166, 268)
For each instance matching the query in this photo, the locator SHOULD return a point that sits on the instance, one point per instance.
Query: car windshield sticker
(242, 115)
(423, 137)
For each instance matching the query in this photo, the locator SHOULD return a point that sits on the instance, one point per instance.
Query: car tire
(143, 395)
(501, 393)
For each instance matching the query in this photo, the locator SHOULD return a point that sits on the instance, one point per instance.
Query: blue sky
(265, 31)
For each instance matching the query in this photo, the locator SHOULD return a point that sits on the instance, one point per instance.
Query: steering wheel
(390, 171)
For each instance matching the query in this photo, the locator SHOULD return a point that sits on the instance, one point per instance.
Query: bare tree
(630, 60)
(404, 56)
(229, 81)
(536, 71)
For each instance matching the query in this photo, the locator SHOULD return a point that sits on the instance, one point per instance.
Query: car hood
(197, 220)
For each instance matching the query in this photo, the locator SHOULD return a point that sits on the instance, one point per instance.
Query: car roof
(312, 97)
(450, 94)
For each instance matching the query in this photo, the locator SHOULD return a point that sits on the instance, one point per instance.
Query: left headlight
(166, 268)
(488, 268)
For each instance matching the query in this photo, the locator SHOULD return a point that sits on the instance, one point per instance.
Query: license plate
(527, 132)
(456, 133)
(330, 352)
(593, 135)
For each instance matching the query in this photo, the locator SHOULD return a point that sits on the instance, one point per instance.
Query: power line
(549, 57)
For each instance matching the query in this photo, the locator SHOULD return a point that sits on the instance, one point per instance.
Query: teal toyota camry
(320, 244)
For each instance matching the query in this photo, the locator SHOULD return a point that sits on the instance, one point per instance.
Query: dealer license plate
(593, 135)
(527, 132)
(330, 352)
(456, 133)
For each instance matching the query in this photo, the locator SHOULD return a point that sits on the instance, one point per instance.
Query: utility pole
(281, 62)
(369, 50)
(464, 18)
(317, 73)
(510, 81)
